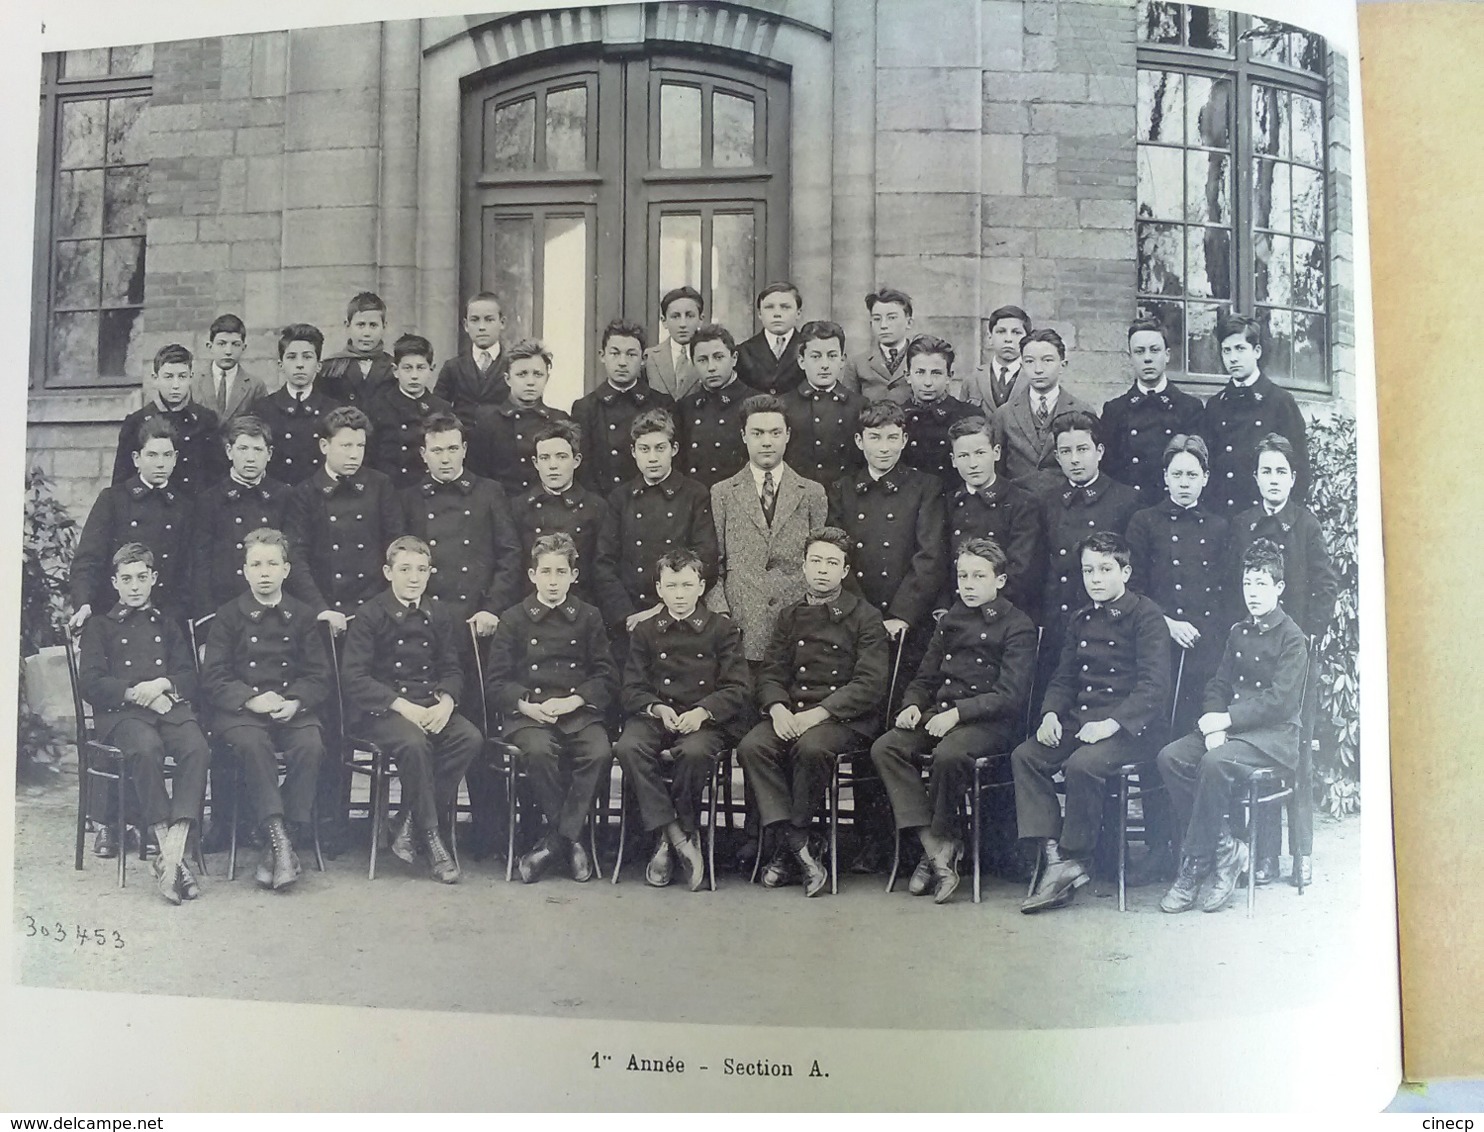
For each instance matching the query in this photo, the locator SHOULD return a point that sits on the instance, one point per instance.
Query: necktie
(485, 361)
(770, 495)
(777, 343)
(1043, 411)
(891, 357)
(221, 392)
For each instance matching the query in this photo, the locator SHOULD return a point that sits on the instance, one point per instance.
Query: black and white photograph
(807, 516)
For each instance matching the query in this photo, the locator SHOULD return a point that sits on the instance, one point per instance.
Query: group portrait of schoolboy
(783, 548)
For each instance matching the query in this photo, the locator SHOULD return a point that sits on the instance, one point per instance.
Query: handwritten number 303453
(57, 933)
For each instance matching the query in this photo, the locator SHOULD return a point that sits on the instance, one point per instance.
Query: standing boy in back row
(364, 363)
(476, 376)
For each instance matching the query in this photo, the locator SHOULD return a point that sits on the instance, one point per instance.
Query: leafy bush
(48, 541)
(1333, 499)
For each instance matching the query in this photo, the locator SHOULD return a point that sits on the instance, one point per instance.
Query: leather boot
(1231, 863)
(186, 883)
(264, 873)
(816, 876)
(779, 870)
(402, 847)
(1187, 887)
(443, 868)
(1267, 871)
(285, 867)
(657, 873)
(692, 860)
(922, 876)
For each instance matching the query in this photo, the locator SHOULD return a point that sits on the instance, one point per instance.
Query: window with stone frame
(90, 223)
(1231, 186)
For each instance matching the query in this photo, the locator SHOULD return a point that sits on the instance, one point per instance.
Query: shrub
(48, 540)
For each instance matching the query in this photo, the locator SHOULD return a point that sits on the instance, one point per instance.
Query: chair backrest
(1030, 699)
(896, 671)
(81, 711)
(196, 629)
(484, 707)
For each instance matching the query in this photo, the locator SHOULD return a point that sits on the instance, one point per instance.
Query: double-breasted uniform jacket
(1179, 559)
(1026, 447)
(295, 426)
(605, 416)
(397, 431)
(476, 549)
(660, 371)
(1137, 426)
(757, 367)
(225, 513)
(1012, 517)
(898, 533)
(1260, 684)
(1114, 664)
(645, 521)
(1310, 582)
(502, 443)
(1235, 419)
(200, 458)
(338, 531)
(1068, 515)
(253, 648)
(539, 653)
(927, 435)
(875, 379)
(127, 646)
(160, 518)
(393, 652)
(762, 564)
(243, 390)
(980, 661)
(821, 426)
(464, 386)
(348, 378)
(710, 431)
(577, 512)
(831, 655)
(687, 664)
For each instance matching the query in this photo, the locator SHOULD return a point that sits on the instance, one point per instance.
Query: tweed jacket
(874, 379)
(659, 370)
(243, 390)
(1025, 448)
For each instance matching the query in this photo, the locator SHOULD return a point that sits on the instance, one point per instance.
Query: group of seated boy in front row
(748, 602)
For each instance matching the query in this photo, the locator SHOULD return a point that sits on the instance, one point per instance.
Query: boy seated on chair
(551, 676)
(967, 700)
(683, 709)
(402, 680)
(264, 673)
(820, 686)
(1111, 685)
(1251, 721)
(135, 669)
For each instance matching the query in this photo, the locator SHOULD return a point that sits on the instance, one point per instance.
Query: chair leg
(623, 830)
(122, 827)
(511, 816)
(757, 860)
(378, 802)
(978, 823)
(1036, 869)
(453, 830)
(835, 830)
(1252, 807)
(599, 810)
(711, 790)
(232, 818)
(1122, 842)
(82, 806)
(896, 860)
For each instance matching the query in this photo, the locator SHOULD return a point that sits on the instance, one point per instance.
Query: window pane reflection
(680, 251)
(1208, 192)
(80, 203)
(1209, 271)
(564, 306)
(731, 130)
(1161, 259)
(1202, 351)
(566, 129)
(81, 141)
(74, 347)
(510, 270)
(1160, 97)
(512, 137)
(120, 338)
(1161, 183)
(732, 271)
(680, 126)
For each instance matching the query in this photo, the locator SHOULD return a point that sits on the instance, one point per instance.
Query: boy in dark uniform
(967, 700)
(135, 670)
(364, 364)
(397, 409)
(227, 510)
(820, 411)
(557, 505)
(402, 681)
(1105, 702)
(820, 688)
(198, 450)
(502, 441)
(1137, 424)
(684, 708)
(476, 377)
(769, 360)
(552, 678)
(605, 414)
(710, 415)
(1241, 413)
(294, 411)
(264, 673)
(931, 412)
(1251, 720)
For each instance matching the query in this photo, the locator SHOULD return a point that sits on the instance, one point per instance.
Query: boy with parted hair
(476, 376)
(364, 364)
(398, 408)
(223, 386)
(293, 412)
(821, 412)
(769, 360)
(930, 410)
(709, 417)
(560, 505)
(1138, 423)
(668, 366)
(1024, 422)
(606, 413)
(882, 373)
(198, 450)
(552, 678)
(994, 385)
(502, 437)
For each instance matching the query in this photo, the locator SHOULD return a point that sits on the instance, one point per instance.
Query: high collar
(989, 612)
(121, 613)
(840, 607)
(510, 410)
(666, 487)
(256, 611)
(639, 392)
(1087, 492)
(726, 394)
(189, 411)
(138, 489)
(1285, 517)
(1168, 506)
(537, 611)
(432, 486)
(1269, 620)
(1159, 395)
(890, 483)
(836, 392)
(698, 620)
(1116, 609)
(990, 492)
(572, 497)
(329, 485)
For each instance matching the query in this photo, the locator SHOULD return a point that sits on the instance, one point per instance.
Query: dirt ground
(563, 950)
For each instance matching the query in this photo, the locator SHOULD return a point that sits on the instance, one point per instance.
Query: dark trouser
(564, 772)
(145, 746)
(257, 745)
(1201, 782)
(788, 776)
(1200, 666)
(899, 753)
(1086, 768)
(638, 751)
(430, 766)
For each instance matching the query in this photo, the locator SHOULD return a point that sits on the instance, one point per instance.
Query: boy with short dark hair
(1250, 721)
(931, 411)
(198, 451)
(605, 414)
(402, 682)
(502, 436)
(1024, 422)
(552, 678)
(476, 376)
(769, 360)
(685, 691)
(821, 412)
(882, 373)
(364, 364)
(994, 385)
(1138, 423)
(398, 408)
(560, 505)
(293, 412)
(223, 386)
(264, 672)
(668, 366)
(710, 415)
(135, 670)
(967, 700)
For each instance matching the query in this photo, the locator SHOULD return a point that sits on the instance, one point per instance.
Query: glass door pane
(565, 283)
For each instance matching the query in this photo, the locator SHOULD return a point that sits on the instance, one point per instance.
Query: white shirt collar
(678, 355)
(1051, 398)
(878, 476)
(232, 472)
(1164, 381)
(779, 340)
(1003, 370)
(493, 352)
(1250, 382)
(758, 473)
